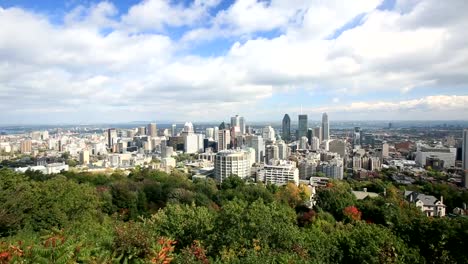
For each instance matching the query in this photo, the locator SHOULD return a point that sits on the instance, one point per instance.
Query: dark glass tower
(286, 128)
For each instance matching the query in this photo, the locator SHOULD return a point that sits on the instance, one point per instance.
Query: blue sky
(108, 61)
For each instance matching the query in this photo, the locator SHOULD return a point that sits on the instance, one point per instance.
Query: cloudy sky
(205, 60)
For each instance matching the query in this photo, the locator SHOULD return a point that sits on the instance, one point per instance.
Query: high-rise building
(283, 150)
(302, 126)
(256, 142)
(238, 121)
(235, 121)
(318, 133)
(271, 153)
(465, 156)
(26, 146)
(151, 130)
(224, 139)
(188, 128)
(111, 137)
(216, 134)
(325, 127)
(315, 144)
(242, 125)
(142, 131)
(310, 134)
(269, 134)
(232, 162)
(338, 146)
(286, 128)
(209, 132)
(173, 130)
(280, 172)
(84, 157)
(303, 143)
(191, 143)
(357, 137)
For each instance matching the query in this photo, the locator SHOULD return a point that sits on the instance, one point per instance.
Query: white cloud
(73, 68)
(155, 14)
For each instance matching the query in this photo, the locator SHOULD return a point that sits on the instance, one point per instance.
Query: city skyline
(121, 61)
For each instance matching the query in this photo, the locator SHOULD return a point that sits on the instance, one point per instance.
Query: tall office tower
(111, 137)
(242, 125)
(302, 128)
(235, 121)
(310, 134)
(303, 143)
(84, 157)
(338, 146)
(315, 144)
(235, 133)
(142, 131)
(232, 162)
(286, 128)
(465, 156)
(26, 146)
(216, 134)
(151, 130)
(256, 142)
(191, 143)
(224, 139)
(318, 133)
(269, 134)
(271, 153)
(325, 127)
(357, 137)
(173, 130)
(283, 150)
(209, 132)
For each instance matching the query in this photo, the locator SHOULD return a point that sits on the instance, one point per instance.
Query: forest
(149, 216)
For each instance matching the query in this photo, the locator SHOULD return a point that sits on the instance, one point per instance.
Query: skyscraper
(173, 130)
(318, 133)
(302, 128)
(286, 128)
(465, 156)
(325, 127)
(238, 121)
(224, 139)
(256, 142)
(242, 125)
(111, 137)
(151, 130)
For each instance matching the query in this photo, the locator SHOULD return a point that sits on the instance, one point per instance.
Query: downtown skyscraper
(325, 127)
(286, 128)
(302, 126)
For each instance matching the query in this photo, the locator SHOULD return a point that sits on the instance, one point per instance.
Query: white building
(315, 144)
(332, 169)
(269, 134)
(191, 143)
(232, 162)
(280, 172)
(448, 155)
(256, 142)
(209, 133)
(303, 143)
(84, 157)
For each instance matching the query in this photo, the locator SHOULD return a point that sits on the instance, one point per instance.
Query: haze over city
(204, 60)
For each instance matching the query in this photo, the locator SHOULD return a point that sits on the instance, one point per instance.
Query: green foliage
(155, 217)
(335, 198)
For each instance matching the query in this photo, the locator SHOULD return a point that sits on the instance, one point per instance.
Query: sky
(206, 60)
